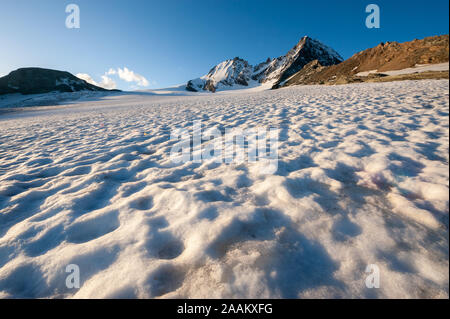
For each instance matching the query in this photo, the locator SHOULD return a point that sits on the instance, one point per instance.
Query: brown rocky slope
(387, 56)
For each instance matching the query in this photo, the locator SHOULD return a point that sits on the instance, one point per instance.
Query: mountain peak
(238, 72)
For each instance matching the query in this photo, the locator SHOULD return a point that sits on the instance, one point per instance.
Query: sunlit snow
(362, 179)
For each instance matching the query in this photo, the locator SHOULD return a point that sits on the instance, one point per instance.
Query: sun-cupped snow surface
(362, 184)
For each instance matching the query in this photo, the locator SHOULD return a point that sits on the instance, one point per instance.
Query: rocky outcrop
(306, 50)
(38, 80)
(389, 56)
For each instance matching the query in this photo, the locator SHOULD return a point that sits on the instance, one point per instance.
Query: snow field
(362, 179)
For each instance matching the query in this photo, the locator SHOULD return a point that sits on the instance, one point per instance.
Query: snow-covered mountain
(237, 72)
(226, 74)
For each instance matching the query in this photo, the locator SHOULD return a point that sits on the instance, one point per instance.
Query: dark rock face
(37, 80)
(241, 80)
(304, 52)
(190, 87)
(209, 86)
(306, 73)
(261, 65)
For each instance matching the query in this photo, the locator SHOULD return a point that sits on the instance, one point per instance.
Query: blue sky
(169, 42)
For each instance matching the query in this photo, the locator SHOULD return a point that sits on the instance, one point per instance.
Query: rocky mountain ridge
(368, 65)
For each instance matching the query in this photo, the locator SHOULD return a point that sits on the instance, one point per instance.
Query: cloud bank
(106, 83)
(129, 76)
(124, 74)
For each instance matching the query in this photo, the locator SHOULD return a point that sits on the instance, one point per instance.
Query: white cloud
(86, 77)
(129, 76)
(124, 74)
(106, 82)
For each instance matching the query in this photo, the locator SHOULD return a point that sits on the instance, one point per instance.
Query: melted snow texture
(362, 179)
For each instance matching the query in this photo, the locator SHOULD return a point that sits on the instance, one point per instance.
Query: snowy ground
(54, 98)
(362, 179)
(419, 68)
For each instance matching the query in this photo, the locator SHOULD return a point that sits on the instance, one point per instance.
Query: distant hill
(369, 65)
(38, 80)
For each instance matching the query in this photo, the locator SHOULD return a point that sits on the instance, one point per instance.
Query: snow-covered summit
(227, 73)
(238, 72)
